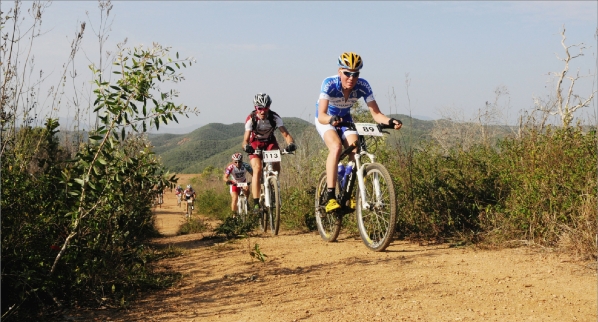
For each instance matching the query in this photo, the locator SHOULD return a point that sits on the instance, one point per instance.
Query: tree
(565, 104)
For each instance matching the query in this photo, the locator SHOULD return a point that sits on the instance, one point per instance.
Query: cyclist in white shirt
(233, 173)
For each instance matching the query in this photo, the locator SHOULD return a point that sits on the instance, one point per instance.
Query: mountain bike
(367, 189)
(189, 206)
(178, 199)
(242, 204)
(270, 191)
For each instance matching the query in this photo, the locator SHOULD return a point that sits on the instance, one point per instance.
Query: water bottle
(348, 170)
(341, 172)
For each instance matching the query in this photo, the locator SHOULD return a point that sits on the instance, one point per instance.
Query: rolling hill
(212, 145)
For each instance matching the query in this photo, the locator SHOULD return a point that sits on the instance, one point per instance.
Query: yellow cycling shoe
(332, 205)
(352, 203)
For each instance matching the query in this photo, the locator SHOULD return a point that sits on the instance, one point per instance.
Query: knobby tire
(274, 210)
(377, 225)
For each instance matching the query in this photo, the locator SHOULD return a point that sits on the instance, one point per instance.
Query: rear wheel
(274, 209)
(377, 222)
(329, 224)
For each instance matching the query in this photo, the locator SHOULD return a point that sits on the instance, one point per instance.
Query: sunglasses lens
(351, 74)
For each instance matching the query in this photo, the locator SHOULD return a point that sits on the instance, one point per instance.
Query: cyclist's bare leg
(256, 164)
(335, 148)
(350, 139)
(234, 199)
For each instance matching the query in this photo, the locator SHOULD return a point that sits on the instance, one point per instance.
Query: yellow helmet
(350, 60)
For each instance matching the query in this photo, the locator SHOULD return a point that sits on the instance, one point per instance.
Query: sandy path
(306, 279)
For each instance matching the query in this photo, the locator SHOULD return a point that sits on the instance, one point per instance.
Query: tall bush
(76, 229)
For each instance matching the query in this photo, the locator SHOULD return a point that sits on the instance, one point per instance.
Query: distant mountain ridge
(212, 144)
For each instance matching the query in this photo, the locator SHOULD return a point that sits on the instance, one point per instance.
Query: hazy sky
(454, 54)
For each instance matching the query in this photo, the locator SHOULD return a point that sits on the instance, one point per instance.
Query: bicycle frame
(359, 169)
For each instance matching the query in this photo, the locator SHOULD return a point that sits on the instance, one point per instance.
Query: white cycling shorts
(322, 128)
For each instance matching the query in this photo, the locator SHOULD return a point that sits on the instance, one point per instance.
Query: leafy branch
(141, 69)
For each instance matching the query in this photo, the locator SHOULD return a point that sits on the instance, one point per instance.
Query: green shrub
(550, 178)
(75, 227)
(192, 226)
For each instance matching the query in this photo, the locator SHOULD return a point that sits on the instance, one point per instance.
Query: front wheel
(242, 208)
(262, 215)
(376, 223)
(189, 210)
(274, 210)
(329, 224)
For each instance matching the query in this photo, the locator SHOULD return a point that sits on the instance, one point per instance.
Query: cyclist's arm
(378, 116)
(245, 139)
(286, 135)
(248, 167)
(323, 116)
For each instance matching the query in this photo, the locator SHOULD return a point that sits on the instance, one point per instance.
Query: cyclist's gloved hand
(248, 149)
(334, 119)
(391, 122)
(229, 182)
(292, 147)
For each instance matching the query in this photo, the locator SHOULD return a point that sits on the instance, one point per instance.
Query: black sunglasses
(351, 74)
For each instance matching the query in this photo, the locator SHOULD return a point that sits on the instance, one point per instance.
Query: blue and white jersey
(332, 90)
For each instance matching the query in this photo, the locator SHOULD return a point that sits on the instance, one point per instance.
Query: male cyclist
(337, 95)
(237, 170)
(178, 191)
(259, 134)
(190, 193)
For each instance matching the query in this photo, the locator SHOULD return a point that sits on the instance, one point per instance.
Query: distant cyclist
(259, 134)
(233, 173)
(178, 190)
(189, 193)
(337, 95)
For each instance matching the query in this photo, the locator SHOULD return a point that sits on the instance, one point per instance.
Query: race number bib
(241, 184)
(271, 156)
(367, 129)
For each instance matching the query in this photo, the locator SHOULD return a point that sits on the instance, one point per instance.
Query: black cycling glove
(248, 149)
(334, 119)
(392, 123)
(292, 147)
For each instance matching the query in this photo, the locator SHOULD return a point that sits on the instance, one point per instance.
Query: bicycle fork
(361, 180)
(266, 191)
(269, 173)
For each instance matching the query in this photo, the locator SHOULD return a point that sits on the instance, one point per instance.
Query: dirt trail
(306, 279)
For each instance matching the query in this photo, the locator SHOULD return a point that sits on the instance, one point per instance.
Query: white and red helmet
(237, 157)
